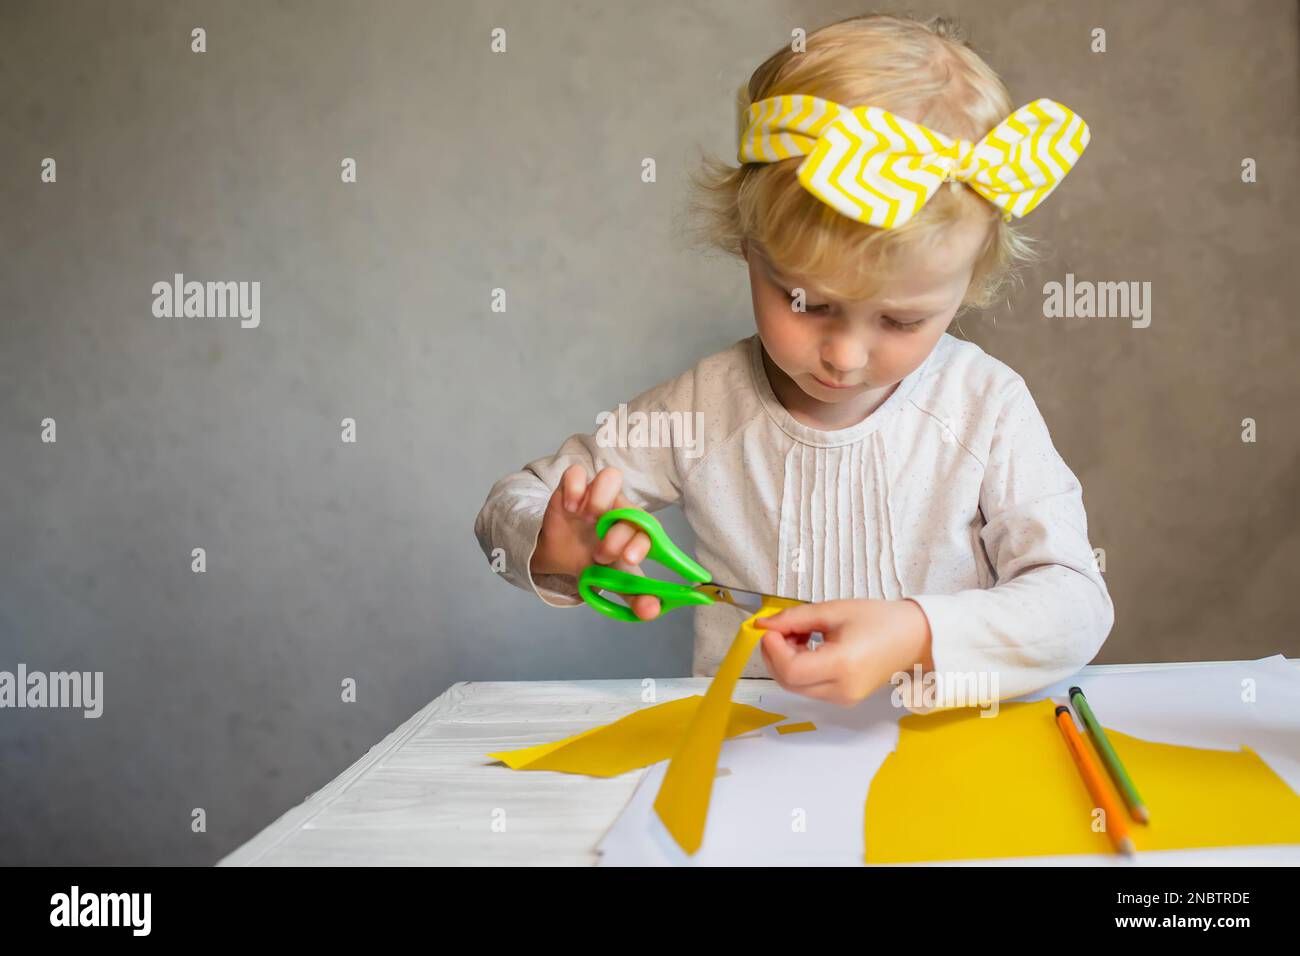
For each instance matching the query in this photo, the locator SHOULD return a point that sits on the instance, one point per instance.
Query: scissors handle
(662, 550)
(599, 577)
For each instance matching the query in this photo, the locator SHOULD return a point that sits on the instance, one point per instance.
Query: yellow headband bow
(879, 168)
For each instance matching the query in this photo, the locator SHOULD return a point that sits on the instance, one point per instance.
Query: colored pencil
(1114, 766)
(1095, 781)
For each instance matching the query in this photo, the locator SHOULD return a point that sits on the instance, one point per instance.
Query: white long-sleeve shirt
(950, 493)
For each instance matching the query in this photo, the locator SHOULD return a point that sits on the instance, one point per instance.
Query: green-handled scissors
(600, 577)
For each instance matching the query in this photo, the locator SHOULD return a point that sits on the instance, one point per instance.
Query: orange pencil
(1092, 776)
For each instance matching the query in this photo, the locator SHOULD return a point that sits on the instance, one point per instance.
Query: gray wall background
(328, 561)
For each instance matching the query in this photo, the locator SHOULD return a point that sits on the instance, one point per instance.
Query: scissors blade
(749, 600)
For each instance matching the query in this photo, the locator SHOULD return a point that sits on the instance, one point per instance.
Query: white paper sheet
(799, 799)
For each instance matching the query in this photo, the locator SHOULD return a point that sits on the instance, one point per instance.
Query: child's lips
(826, 384)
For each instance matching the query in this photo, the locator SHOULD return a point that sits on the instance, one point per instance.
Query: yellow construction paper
(799, 728)
(962, 786)
(683, 799)
(641, 738)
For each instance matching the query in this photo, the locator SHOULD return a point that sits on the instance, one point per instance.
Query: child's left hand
(866, 642)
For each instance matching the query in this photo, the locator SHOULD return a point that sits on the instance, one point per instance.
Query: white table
(427, 794)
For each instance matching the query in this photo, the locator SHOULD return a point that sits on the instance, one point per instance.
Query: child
(854, 454)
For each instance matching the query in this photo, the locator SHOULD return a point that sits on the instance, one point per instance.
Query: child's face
(866, 345)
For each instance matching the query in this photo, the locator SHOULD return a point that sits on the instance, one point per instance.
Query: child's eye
(904, 326)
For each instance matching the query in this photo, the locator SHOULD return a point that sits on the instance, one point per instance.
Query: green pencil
(1111, 759)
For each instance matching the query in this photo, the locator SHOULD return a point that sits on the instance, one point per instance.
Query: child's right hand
(568, 541)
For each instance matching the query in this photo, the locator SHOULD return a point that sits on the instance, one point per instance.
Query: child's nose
(845, 354)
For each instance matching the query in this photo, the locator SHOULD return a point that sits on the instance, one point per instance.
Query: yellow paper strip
(683, 799)
(800, 728)
(961, 786)
(641, 738)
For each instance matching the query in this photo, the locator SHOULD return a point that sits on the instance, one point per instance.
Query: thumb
(800, 619)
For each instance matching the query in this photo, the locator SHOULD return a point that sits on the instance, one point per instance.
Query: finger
(778, 650)
(803, 618)
(604, 488)
(573, 483)
(645, 606)
(623, 541)
(799, 665)
(824, 690)
(809, 667)
(638, 547)
(776, 653)
(615, 541)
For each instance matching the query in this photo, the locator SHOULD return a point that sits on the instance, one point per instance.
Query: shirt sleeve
(1049, 612)
(649, 443)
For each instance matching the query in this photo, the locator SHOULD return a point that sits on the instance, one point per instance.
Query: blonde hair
(925, 71)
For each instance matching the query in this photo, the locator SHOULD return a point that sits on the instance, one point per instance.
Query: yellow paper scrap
(683, 799)
(962, 786)
(641, 738)
(799, 728)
